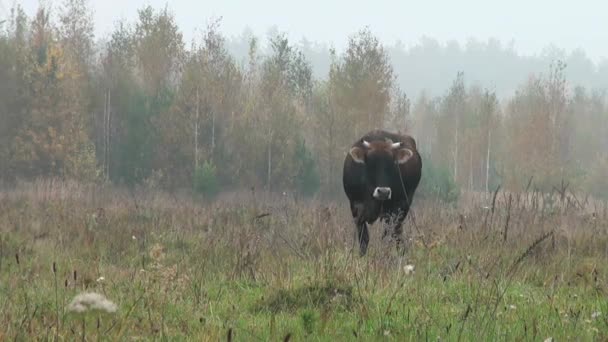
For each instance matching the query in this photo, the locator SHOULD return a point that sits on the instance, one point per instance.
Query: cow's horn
(366, 144)
(396, 145)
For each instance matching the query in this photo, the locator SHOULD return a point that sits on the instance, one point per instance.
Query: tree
(453, 109)
(539, 107)
(399, 119)
(306, 177)
(53, 140)
(363, 83)
(13, 50)
(284, 88)
(119, 93)
(159, 50)
(326, 127)
(76, 33)
(151, 59)
(205, 104)
(489, 123)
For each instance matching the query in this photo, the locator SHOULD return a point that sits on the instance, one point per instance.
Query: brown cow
(381, 173)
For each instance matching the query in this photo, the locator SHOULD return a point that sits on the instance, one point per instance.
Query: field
(274, 269)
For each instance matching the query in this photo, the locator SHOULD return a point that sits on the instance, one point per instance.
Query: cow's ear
(402, 155)
(358, 154)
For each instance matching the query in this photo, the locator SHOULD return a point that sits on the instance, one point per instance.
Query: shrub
(307, 179)
(595, 181)
(205, 180)
(437, 182)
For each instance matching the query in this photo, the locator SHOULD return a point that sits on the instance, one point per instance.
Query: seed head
(408, 269)
(91, 302)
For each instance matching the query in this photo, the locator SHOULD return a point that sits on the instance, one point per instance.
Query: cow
(381, 173)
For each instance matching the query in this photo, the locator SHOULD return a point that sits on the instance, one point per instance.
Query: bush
(595, 181)
(307, 180)
(437, 182)
(206, 181)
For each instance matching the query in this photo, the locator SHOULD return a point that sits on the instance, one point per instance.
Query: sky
(530, 25)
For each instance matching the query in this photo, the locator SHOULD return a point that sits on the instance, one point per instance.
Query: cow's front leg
(364, 214)
(362, 234)
(362, 237)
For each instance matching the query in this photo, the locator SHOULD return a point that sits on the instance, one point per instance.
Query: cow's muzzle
(382, 193)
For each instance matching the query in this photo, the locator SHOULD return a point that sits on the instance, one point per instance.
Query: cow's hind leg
(398, 231)
(395, 221)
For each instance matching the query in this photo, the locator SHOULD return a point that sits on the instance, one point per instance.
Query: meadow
(251, 266)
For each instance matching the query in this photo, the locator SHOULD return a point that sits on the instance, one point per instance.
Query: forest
(143, 107)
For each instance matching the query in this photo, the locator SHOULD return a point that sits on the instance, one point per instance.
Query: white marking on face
(382, 193)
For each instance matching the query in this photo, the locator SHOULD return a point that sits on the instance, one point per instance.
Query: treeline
(428, 65)
(148, 108)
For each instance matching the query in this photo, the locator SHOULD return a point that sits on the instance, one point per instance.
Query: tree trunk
(456, 155)
(471, 167)
(212, 133)
(269, 160)
(109, 130)
(105, 134)
(107, 119)
(330, 154)
(488, 160)
(196, 130)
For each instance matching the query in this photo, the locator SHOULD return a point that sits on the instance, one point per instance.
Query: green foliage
(437, 182)
(596, 183)
(82, 164)
(307, 178)
(308, 318)
(205, 180)
(133, 143)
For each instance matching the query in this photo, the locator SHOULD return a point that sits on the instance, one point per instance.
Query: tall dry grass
(179, 266)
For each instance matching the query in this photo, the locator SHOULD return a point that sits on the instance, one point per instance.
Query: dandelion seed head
(408, 269)
(91, 302)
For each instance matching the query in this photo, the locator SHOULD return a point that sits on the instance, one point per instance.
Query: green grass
(179, 270)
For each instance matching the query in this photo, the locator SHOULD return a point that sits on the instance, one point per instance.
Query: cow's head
(381, 160)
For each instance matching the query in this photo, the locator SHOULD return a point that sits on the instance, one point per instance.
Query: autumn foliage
(146, 107)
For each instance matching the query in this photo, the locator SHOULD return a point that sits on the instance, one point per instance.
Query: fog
(429, 41)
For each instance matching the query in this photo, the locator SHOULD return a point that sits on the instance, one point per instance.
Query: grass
(273, 269)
